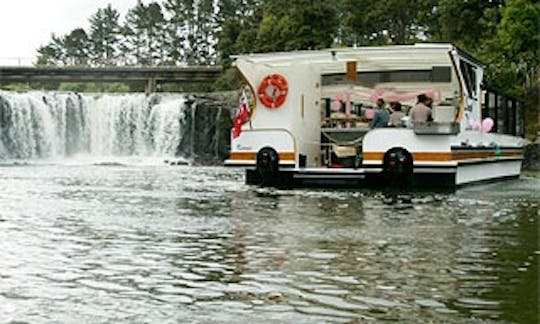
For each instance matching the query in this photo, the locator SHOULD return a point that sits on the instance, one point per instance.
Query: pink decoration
(377, 94)
(474, 125)
(348, 104)
(388, 95)
(370, 113)
(336, 105)
(348, 107)
(487, 125)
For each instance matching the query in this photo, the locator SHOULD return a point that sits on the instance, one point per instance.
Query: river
(143, 242)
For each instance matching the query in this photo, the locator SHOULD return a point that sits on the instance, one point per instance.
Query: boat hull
(425, 176)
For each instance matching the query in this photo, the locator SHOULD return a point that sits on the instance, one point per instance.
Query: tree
(357, 29)
(71, 49)
(464, 23)
(144, 34)
(52, 53)
(104, 36)
(513, 54)
(513, 57)
(205, 31)
(134, 44)
(181, 30)
(76, 45)
(249, 25)
(304, 24)
(238, 23)
(227, 38)
(385, 22)
(155, 32)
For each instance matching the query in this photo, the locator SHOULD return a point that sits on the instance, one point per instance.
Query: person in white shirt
(397, 114)
(421, 113)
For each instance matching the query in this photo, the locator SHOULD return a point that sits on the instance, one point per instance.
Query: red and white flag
(242, 115)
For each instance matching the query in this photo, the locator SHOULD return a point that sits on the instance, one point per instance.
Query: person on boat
(421, 112)
(429, 102)
(396, 115)
(382, 115)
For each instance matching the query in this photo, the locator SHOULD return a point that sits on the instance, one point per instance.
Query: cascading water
(37, 125)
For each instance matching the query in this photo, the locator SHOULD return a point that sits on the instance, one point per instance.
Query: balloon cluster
(487, 125)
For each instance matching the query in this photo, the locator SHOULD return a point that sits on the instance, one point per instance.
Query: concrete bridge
(151, 76)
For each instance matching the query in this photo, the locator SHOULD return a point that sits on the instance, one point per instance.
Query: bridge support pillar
(150, 86)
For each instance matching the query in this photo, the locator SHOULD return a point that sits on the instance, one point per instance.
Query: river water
(143, 242)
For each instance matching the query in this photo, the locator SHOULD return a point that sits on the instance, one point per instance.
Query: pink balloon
(348, 105)
(336, 105)
(370, 113)
(487, 125)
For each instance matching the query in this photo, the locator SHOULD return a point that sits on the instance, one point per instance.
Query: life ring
(273, 90)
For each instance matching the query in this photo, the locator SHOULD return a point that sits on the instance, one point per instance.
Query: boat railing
(436, 128)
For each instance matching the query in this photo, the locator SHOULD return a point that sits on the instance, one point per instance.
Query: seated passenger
(421, 113)
(382, 115)
(397, 115)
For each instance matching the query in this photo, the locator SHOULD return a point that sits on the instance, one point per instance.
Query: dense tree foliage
(368, 22)
(503, 33)
(465, 23)
(104, 36)
(144, 34)
(513, 54)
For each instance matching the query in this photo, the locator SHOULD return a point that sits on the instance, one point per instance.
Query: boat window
(506, 111)
(441, 74)
(501, 115)
(510, 113)
(372, 78)
(520, 130)
(469, 75)
(491, 107)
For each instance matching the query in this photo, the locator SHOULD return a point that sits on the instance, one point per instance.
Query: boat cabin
(312, 111)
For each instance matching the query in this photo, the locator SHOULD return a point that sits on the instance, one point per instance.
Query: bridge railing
(14, 61)
(153, 77)
(17, 61)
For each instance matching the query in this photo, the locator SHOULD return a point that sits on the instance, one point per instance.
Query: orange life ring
(273, 90)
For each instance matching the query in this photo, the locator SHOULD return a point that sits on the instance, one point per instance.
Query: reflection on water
(167, 244)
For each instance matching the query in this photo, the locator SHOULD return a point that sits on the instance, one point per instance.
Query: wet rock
(531, 157)
(176, 162)
(109, 164)
(274, 297)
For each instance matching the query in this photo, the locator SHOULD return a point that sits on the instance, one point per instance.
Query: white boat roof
(415, 56)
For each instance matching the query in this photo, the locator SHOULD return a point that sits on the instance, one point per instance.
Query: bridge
(151, 76)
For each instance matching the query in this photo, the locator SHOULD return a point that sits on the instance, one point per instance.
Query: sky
(26, 25)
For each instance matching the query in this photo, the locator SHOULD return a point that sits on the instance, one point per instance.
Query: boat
(307, 119)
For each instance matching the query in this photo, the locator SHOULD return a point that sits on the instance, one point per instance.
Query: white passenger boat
(308, 125)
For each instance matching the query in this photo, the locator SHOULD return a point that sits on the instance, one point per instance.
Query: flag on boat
(242, 115)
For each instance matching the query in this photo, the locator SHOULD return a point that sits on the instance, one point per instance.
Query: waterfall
(217, 132)
(36, 125)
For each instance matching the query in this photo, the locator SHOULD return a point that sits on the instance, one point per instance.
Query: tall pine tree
(144, 34)
(104, 36)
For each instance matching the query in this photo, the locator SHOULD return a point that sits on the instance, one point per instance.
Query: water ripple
(159, 244)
